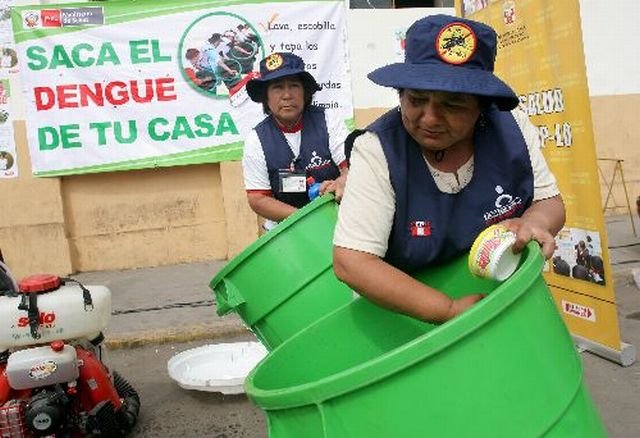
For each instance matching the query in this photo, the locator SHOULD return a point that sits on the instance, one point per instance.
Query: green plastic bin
(284, 281)
(505, 368)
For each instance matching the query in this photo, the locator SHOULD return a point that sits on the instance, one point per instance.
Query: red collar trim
(295, 128)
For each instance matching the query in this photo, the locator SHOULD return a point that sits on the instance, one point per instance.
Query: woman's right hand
(459, 305)
(335, 186)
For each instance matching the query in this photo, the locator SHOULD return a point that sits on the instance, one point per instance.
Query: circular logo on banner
(456, 43)
(273, 62)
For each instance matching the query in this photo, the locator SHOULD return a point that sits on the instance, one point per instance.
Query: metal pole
(626, 195)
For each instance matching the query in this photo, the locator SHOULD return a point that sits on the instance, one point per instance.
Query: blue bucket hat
(447, 53)
(275, 66)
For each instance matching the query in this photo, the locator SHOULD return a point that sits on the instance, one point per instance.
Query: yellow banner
(540, 54)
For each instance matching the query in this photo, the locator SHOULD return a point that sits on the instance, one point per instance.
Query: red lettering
(485, 252)
(44, 318)
(96, 95)
(115, 93)
(45, 98)
(148, 88)
(118, 97)
(165, 89)
(65, 95)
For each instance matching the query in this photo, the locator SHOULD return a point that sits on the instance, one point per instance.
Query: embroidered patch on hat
(456, 43)
(273, 61)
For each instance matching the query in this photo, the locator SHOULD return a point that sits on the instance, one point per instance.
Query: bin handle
(228, 297)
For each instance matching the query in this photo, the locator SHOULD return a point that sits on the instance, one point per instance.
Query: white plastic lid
(505, 263)
(491, 255)
(216, 367)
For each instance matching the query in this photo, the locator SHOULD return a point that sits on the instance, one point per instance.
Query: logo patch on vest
(506, 206)
(420, 228)
(316, 162)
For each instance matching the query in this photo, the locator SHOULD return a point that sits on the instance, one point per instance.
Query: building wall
(614, 87)
(33, 234)
(617, 135)
(145, 218)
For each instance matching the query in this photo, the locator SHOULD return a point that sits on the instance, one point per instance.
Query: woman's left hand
(540, 222)
(527, 231)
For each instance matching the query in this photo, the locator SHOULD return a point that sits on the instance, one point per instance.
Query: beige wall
(162, 216)
(617, 135)
(145, 218)
(32, 226)
(156, 217)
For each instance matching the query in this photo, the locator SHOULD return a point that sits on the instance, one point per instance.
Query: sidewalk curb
(215, 331)
(219, 330)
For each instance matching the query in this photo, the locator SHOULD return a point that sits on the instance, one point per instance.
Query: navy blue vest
(314, 158)
(433, 227)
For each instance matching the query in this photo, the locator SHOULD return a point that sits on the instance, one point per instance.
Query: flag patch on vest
(420, 228)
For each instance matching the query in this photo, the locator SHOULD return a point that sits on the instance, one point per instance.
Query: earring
(482, 121)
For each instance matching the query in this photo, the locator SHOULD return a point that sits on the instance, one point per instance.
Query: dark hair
(215, 37)
(561, 267)
(309, 90)
(580, 272)
(597, 264)
(192, 53)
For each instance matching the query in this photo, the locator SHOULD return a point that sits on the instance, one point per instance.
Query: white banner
(110, 87)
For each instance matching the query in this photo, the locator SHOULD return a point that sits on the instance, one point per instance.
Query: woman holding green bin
(296, 140)
(427, 177)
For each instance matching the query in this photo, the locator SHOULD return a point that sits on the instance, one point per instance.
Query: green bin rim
(401, 357)
(266, 238)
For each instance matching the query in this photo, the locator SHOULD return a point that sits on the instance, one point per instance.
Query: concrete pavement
(163, 304)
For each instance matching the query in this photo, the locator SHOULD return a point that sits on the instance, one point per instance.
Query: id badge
(292, 182)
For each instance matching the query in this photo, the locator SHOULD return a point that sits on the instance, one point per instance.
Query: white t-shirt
(368, 204)
(254, 165)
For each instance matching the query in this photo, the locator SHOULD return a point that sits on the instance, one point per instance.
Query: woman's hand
(540, 222)
(335, 186)
(459, 305)
(527, 231)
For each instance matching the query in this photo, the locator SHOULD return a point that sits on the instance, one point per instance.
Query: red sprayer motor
(53, 380)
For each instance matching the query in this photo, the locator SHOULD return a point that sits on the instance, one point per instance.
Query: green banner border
(214, 154)
(123, 11)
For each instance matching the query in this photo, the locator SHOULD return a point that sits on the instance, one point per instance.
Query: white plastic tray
(216, 367)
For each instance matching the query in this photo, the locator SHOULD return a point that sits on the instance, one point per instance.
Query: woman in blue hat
(295, 141)
(428, 176)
